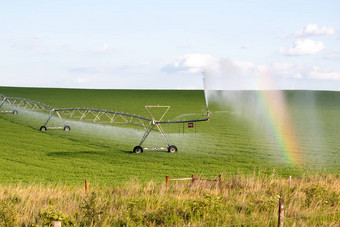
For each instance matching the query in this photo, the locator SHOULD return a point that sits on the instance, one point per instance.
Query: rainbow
(279, 123)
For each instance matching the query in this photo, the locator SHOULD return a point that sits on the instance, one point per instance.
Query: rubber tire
(43, 128)
(138, 149)
(67, 128)
(15, 112)
(172, 149)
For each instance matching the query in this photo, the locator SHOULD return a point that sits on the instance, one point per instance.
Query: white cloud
(37, 43)
(225, 74)
(188, 87)
(298, 76)
(286, 70)
(37, 37)
(106, 48)
(82, 80)
(314, 29)
(228, 74)
(322, 74)
(191, 63)
(282, 69)
(282, 66)
(188, 45)
(135, 66)
(303, 47)
(245, 46)
(145, 63)
(202, 63)
(40, 47)
(331, 55)
(88, 69)
(246, 66)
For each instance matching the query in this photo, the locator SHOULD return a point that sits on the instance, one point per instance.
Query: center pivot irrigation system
(98, 116)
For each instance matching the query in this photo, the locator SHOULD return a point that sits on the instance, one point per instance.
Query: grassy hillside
(231, 142)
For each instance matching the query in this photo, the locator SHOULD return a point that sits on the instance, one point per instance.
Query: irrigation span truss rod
(22, 103)
(99, 116)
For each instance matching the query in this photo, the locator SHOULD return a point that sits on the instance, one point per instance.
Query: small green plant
(50, 214)
(320, 196)
(94, 212)
(7, 213)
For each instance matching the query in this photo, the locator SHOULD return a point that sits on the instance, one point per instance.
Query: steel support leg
(146, 134)
(49, 118)
(59, 115)
(161, 131)
(2, 103)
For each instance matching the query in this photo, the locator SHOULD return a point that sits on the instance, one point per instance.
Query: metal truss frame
(100, 116)
(23, 104)
(4, 99)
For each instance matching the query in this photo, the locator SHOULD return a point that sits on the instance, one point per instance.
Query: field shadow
(126, 151)
(77, 154)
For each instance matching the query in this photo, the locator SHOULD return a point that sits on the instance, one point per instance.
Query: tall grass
(238, 200)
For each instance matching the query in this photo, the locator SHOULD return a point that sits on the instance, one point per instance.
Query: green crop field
(230, 142)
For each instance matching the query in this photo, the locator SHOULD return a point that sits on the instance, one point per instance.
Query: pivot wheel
(43, 128)
(15, 112)
(138, 149)
(172, 149)
(67, 128)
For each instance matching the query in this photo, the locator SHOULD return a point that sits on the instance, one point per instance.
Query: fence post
(290, 181)
(56, 224)
(167, 181)
(86, 186)
(193, 178)
(281, 213)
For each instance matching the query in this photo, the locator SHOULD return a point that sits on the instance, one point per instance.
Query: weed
(94, 210)
(47, 216)
(7, 213)
(320, 196)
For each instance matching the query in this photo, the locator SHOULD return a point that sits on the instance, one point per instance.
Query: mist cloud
(226, 74)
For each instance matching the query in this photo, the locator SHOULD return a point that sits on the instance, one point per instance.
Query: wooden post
(193, 179)
(290, 181)
(56, 224)
(281, 213)
(167, 181)
(86, 186)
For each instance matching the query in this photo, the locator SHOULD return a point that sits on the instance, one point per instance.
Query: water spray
(206, 95)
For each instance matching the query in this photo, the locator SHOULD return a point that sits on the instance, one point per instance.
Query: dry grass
(238, 200)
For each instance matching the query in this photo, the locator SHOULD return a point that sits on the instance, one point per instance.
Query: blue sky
(170, 44)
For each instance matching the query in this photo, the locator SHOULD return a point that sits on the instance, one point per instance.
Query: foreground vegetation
(240, 200)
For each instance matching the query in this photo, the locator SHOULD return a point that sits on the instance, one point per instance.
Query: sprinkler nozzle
(208, 114)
